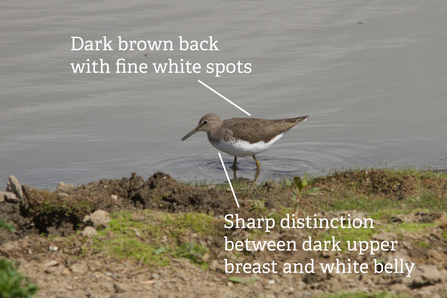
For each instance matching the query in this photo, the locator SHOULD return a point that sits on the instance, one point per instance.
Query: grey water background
(371, 74)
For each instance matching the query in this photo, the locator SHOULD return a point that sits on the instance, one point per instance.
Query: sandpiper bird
(244, 136)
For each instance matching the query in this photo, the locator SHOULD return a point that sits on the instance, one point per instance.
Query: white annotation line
(228, 178)
(224, 98)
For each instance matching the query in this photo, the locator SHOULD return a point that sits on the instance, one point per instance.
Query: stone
(14, 186)
(88, 232)
(9, 197)
(120, 287)
(426, 275)
(62, 195)
(385, 236)
(444, 275)
(51, 263)
(79, 268)
(63, 187)
(213, 265)
(100, 218)
(50, 270)
(206, 257)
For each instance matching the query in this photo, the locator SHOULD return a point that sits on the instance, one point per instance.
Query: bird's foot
(258, 165)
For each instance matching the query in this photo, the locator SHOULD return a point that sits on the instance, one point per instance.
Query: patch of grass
(257, 206)
(398, 191)
(363, 203)
(45, 202)
(391, 182)
(191, 251)
(7, 226)
(444, 234)
(122, 247)
(386, 214)
(413, 226)
(428, 200)
(418, 173)
(156, 237)
(423, 244)
(12, 284)
(344, 235)
(239, 184)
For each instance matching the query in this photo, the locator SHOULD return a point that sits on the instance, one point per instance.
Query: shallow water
(371, 74)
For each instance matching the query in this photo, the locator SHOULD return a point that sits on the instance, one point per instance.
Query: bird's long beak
(191, 133)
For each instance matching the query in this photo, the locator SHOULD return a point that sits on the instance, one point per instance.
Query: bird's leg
(234, 166)
(258, 165)
(257, 174)
(234, 174)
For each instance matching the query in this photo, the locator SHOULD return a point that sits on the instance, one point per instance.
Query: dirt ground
(52, 246)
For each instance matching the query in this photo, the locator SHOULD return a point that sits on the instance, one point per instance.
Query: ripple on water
(209, 167)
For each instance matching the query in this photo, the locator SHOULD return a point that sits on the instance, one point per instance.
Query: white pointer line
(224, 98)
(228, 178)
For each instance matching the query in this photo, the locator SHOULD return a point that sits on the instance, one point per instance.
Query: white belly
(244, 148)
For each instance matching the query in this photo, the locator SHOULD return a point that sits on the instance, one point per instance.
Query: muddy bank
(161, 238)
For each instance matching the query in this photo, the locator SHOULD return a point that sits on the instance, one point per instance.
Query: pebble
(51, 263)
(79, 269)
(62, 195)
(14, 186)
(425, 276)
(120, 287)
(9, 197)
(89, 232)
(385, 236)
(214, 265)
(50, 270)
(100, 218)
(62, 187)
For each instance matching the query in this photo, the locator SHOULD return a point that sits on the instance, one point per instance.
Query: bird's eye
(205, 121)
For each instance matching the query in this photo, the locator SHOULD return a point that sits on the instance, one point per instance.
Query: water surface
(371, 74)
